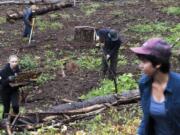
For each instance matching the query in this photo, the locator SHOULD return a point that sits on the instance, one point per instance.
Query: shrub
(28, 62)
(44, 77)
(172, 10)
(89, 62)
(124, 82)
(90, 8)
(150, 27)
(43, 25)
(2, 20)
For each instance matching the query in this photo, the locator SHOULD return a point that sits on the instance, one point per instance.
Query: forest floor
(136, 20)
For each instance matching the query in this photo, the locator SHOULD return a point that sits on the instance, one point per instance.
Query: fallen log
(22, 2)
(130, 97)
(15, 15)
(69, 112)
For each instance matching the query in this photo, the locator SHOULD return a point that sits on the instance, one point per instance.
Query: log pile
(15, 15)
(69, 112)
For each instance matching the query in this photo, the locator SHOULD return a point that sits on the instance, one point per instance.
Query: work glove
(107, 56)
(11, 78)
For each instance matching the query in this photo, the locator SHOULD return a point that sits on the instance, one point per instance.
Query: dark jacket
(172, 104)
(27, 16)
(4, 74)
(110, 47)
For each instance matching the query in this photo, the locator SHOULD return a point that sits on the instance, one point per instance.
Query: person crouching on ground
(10, 94)
(112, 42)
(27, 18)
(159, 89)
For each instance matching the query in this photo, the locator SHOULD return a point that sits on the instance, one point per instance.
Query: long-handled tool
(112, 73)
(32, 28)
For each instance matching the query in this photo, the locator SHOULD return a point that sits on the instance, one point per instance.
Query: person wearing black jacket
(112, 43)
(9, 94)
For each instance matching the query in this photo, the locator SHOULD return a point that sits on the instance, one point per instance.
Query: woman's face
(146, 67)
(13, 62)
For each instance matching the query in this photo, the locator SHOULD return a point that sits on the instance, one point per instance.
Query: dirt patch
(71, 87)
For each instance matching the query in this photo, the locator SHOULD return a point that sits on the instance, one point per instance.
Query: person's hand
(11, 78)
(97, 38)
(107, 56)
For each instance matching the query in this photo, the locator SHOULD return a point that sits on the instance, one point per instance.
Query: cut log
(14, 15)
(84, 34)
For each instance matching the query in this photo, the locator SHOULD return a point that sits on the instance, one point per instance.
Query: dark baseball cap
(155, 47)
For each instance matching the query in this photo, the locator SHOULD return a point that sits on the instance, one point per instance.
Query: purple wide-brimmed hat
(155, 47)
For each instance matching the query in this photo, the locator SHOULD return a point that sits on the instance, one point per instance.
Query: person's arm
(105, 51)
(140, 130)
(27, 16)
(6, 77)
(141, 127)
(116, 48)
(102, 33)
(4, 80)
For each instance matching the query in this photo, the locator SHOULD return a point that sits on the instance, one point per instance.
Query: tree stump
(84, 34)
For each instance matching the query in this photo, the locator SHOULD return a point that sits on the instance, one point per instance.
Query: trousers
(112, 63)
(9, 98)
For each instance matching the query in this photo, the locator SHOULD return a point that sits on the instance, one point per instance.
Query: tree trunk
(15, 15)
(22, 2)
(84, 34)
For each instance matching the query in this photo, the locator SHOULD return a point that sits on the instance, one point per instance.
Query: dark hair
(165, 65)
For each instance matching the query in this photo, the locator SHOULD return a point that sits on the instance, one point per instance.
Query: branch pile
(25, 78)
(69, 112)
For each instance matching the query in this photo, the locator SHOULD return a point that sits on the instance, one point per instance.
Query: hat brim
(140, 50)
(113, 39)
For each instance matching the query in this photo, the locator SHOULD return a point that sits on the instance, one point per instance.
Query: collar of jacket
(169, 84)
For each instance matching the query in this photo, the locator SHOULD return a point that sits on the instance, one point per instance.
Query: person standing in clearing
(112, 42)
(27, 18)
(10, 94)
(159, 89)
